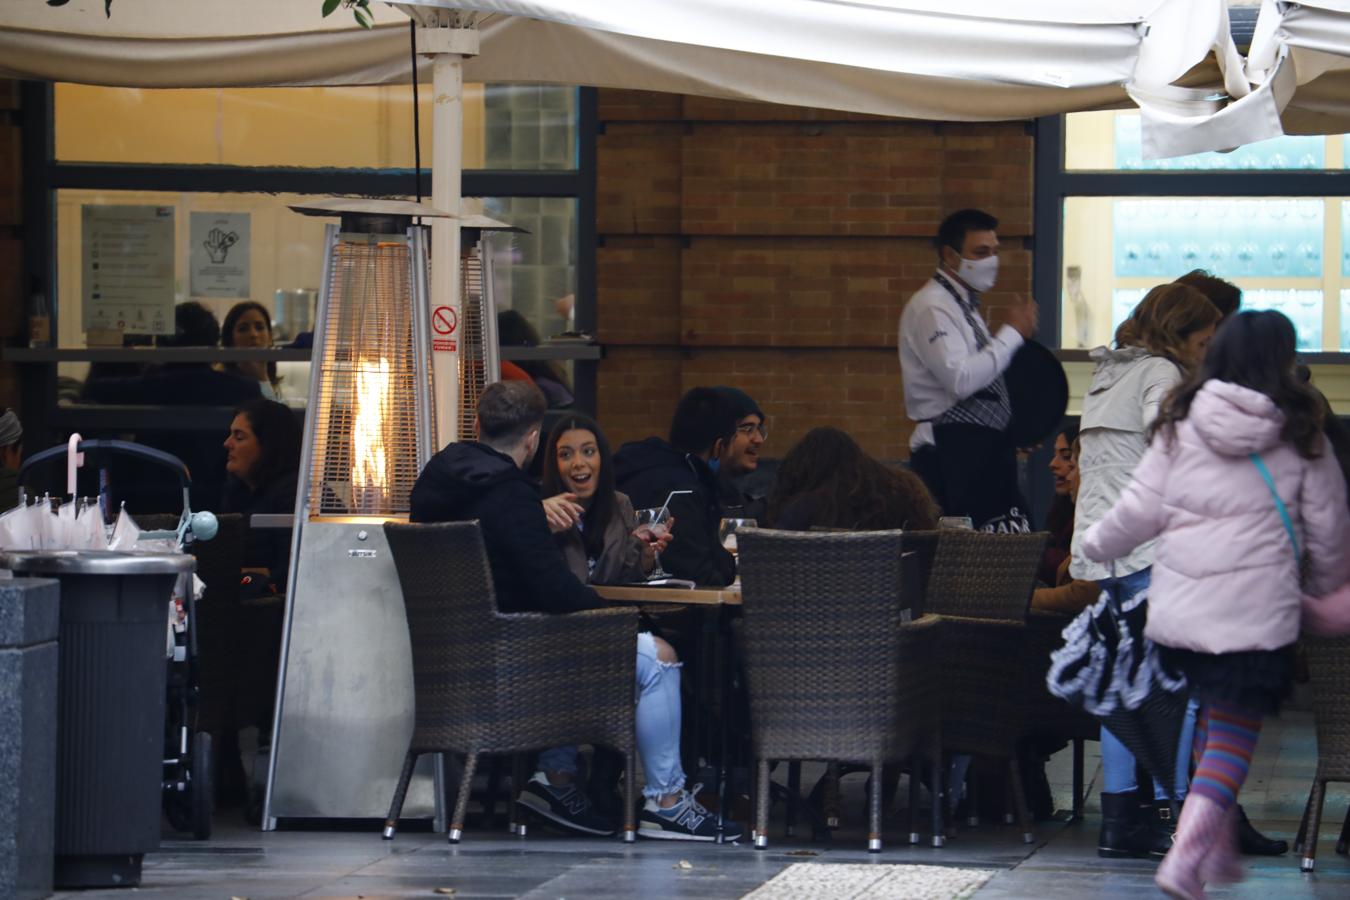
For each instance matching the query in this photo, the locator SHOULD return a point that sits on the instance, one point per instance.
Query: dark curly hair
(851, 489)
(1254, 349)
(603, 504)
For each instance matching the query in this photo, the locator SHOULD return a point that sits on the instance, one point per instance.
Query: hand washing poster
(128, 279)
(218, 256)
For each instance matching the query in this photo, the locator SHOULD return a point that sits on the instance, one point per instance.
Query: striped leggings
(1225, 738)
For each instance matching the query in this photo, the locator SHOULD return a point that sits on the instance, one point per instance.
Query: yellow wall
(347, 127)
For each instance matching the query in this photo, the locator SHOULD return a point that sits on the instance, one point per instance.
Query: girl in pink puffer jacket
(1237, 483)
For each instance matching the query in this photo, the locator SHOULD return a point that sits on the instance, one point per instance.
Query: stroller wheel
(202, 786)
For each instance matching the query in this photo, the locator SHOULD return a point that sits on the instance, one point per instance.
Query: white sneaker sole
(657, 833)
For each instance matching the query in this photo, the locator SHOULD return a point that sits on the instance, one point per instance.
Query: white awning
(929, 59)
(1298, 75)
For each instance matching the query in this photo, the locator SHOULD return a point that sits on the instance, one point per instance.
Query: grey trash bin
(110, 707)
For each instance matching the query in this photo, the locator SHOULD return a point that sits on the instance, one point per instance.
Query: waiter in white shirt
(953, 372)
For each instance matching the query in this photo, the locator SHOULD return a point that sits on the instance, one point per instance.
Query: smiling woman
(601, 546)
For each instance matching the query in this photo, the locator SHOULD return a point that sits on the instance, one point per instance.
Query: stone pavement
(241, 862)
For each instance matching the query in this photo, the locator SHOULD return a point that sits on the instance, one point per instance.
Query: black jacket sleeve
(694, 552)
(517, 535)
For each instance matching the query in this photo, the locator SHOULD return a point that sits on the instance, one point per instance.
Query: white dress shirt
(940, 359)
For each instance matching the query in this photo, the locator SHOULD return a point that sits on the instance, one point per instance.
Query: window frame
(44, 175)
(1054, 183)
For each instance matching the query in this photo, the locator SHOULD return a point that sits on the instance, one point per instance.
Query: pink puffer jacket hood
(1234, 420)
(1225, 578)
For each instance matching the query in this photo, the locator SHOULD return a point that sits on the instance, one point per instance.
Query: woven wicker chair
(980, 588)
(1329, 666)
(832, 674)
(490, 682)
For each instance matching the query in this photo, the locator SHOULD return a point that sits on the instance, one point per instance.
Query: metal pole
(448, 45)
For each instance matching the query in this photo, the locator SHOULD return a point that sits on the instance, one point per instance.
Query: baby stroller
(187, 782)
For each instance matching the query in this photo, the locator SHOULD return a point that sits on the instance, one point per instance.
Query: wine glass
(726, 532)
(654, 524)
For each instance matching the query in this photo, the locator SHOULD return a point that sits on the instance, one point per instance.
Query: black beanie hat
(741, 402)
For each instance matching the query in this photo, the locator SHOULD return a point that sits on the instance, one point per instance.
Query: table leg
(723, 732)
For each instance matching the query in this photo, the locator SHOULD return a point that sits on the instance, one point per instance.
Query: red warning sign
(444, 320)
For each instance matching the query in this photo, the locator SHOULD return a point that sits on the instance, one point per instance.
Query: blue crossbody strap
(1279, 504)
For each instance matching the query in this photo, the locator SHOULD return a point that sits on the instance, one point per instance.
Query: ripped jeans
(658, 725)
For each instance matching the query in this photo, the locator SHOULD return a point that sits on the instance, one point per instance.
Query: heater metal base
(346, 691)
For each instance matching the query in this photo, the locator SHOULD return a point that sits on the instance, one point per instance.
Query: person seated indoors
(514, 330)
(594, 524)
(487, 480)
(740, 458)
(248, 325)
(1068, 594)
(180, 384)
(1059, 521)
(828, 481)
(649, 471)
(262, 465)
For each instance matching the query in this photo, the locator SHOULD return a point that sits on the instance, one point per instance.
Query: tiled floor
(240, 862)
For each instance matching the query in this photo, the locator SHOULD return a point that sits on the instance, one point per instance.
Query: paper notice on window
(128, 269)
(219, 254)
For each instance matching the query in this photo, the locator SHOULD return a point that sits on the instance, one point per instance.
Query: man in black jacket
(648, 471)
(487, 480)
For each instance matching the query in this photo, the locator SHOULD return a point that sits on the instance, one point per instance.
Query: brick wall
(12, 293)
(772, 248)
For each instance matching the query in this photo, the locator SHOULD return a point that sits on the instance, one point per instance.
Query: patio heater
(344, 708)
(480, 355)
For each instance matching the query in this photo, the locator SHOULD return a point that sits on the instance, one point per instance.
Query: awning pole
(448, 43)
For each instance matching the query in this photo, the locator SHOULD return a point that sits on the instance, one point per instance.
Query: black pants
(972, 471)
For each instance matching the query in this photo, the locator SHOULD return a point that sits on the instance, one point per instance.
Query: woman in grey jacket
(1163, 338)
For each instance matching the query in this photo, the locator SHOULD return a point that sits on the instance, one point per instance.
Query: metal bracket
(433, 41)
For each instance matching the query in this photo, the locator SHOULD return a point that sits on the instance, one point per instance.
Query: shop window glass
(505, 126)
(1110, 141)
(535, 273)
(1275, 248)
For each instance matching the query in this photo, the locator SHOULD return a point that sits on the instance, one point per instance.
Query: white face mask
(980, 274)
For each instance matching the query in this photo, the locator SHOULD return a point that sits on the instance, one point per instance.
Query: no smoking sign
(444, 321)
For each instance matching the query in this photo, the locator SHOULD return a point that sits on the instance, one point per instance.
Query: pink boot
(1199, 827)
(1223, 863)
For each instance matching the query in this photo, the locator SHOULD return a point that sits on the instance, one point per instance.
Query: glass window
(1109, 141)
(505, 126)
(1281, 251)
(535, 273)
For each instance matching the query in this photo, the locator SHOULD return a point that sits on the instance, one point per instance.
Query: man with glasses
(741, 494)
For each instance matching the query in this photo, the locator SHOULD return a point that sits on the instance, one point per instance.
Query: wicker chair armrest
(598, 641)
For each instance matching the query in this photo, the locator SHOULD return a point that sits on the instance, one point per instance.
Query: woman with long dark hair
(248, 324)
(262, 464)
(827, 481)
(600, 546)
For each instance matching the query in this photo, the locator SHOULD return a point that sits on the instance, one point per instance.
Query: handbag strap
(1279, 504)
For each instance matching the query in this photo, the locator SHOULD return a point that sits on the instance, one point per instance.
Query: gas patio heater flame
(370, 473)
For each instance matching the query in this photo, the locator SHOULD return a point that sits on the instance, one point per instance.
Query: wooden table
(719, 604)
(633, 593)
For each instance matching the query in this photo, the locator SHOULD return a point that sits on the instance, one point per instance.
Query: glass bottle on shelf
(1082, 314)
(39, 317)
